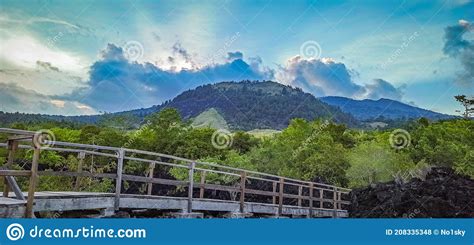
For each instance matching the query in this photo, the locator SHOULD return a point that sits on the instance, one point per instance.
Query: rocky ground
(442, 193)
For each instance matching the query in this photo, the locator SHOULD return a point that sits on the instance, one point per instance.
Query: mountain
(247, 106)
(366, 110)
(242, 105)
(250, 105)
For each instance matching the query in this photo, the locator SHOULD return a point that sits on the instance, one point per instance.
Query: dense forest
(315, 150)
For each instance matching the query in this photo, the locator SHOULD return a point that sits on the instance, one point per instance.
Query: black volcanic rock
(442, 194)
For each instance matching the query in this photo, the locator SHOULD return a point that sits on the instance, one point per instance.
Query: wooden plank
(221, 187)
(135, 178)
(150, 175)
(261, 193)
(16, 131)
(16, 189)
(33, 179)
(203, 182)
(300, 192)
(334, 199)
(77, 181)
(118, 181)
(6, 172)
(280, 196)
(76, 174)
(20, 137)
(242, 191)
(191, 186)
(293, 196)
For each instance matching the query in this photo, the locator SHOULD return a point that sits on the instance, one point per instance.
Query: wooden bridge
(246, 192)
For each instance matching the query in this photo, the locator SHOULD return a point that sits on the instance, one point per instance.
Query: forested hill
(243, 105)
(256, 105)
(249, 105)
(381, 109)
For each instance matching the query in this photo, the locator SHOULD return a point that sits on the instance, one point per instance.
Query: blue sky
(86, 57)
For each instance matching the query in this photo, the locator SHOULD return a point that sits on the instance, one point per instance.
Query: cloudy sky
(87, 57)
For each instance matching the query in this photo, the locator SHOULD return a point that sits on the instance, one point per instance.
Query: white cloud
(326, 77)
(58, 103)
(25, 51)
(14, 98)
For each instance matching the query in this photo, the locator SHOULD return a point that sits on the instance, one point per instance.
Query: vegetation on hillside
(245, 105)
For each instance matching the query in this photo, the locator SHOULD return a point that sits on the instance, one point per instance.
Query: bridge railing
(281, 191)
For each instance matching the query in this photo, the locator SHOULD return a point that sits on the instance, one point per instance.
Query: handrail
(193, 166)
(99, 147)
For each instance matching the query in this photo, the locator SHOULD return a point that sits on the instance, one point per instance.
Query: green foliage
(447, 143)
(374, 161)
(306, 150)
(243, 142)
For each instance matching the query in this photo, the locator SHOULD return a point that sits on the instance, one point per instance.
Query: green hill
(250, 105)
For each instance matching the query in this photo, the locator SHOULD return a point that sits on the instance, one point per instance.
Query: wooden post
(81, 157)
(33, 178)
(150, 175)
(300, 192)
(243, 178)
(339, 205)
(203, 182)
(334, 199)
(280, 197)
(321, 196)
(12, 146)
(191, 187)
(118, 181)
(274, 192)
(311, 193)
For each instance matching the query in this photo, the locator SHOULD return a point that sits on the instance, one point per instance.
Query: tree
(467, 103)
(89, 134)
(374, 161)
(167, 131)
(243, 142)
